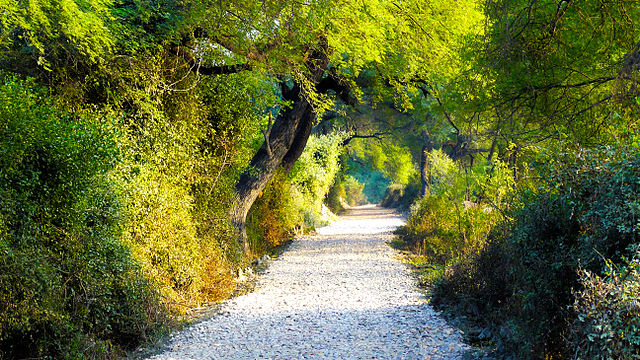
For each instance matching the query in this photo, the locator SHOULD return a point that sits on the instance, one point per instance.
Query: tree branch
(222, 69)
(444, 109)
(377, 135)
(267, 133)
(332, 83)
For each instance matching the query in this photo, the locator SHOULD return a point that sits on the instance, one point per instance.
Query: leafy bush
(392, 196)
(336, 197)
(276, 216)
(182, 155)
(443, 231)
(68, 287)
(584, 211)
(375, 181)
(454, 218)
(345, 192)
(402, 196)
(607, 321)
(315, 171)
(294, 201)
(354, 191)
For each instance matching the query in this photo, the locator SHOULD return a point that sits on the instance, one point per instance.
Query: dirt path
(341, 294)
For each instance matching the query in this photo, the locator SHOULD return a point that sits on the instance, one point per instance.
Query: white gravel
(341, 294)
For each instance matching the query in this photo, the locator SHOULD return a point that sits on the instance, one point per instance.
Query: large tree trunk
(283, 145)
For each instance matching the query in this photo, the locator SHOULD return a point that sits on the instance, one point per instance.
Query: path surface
(341, 294)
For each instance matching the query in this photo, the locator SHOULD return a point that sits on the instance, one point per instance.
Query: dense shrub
(584, 211)
(68, 287)
(294, 201)
(314, 173)
(375, 181)
(354, 191)
(443, 231)
(392, 196)
(402, 196)
(182, 154)
(345, 193)
(607, 321)
(454, 218)
(336, 197)
(276, 216)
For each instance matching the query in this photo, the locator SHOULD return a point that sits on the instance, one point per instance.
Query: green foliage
(560, 70)
(454, 218)
(184, 152)
(607, 321)
(392, 196)
(315, 171)
(294, 201)
(49, 28)
(402, 196)
(375, 181)
(354, 191)
(68, 287)
(345, 193)
(392, 160)
(584, 211)
(276, 216)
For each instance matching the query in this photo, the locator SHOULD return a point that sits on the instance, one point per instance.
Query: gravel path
(341, 294)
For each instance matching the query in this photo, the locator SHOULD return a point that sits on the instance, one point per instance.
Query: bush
(292, 202)
(314, 174)
(584, 211)
(400, 196)
(392, 196)
(454, 218)
(336, 198)
(182, 153)
(354, 192)
(443, 231)
(345, 193)
(276, 216)
(68, 287)
(607, 321)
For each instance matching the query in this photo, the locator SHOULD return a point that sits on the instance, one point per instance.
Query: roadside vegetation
(150, 151)
(526, 233)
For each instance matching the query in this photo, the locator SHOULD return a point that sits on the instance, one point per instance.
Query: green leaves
(66, 280)
(46, 27)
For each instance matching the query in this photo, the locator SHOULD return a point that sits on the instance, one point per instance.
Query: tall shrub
(68, 287)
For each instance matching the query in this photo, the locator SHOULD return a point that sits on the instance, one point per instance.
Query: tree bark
(282, 147)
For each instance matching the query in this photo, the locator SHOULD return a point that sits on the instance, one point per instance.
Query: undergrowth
(556, 276)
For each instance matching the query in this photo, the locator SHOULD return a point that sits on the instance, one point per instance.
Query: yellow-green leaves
(53, 28)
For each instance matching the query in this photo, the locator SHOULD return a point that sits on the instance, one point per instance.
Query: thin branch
(377, 135)
(267, 133)
(223, 69)
(444, 109)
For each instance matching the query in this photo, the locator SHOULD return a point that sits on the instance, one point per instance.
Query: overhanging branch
(222, 69)
(377, 135)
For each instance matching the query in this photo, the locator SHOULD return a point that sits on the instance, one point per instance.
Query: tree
(565, 70)
(319, 50)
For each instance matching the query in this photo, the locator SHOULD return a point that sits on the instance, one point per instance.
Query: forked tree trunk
(283, 145)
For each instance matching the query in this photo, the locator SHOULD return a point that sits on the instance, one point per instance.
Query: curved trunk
(283, 145)
(265, 163)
